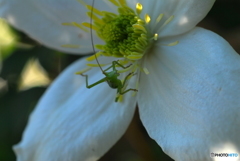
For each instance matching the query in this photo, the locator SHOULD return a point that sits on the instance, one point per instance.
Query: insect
(111, 77)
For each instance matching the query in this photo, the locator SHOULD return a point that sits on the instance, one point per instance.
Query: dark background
(16, 104)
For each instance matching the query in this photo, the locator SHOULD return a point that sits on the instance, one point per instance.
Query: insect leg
(125, 79)
(114, 65)
(108, 68)
(130, 89)
(119, 91)
(124, 82)
(94, 84)
(122, 93)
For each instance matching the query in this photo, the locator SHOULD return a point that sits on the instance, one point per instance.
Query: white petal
(189, 103)
(187, 13)
(42, 20)
(73, 123)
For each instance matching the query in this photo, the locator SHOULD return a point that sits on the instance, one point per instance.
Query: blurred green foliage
(15, 104)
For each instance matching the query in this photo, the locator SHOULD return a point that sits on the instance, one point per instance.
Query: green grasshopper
(112, 76)
(112, 79)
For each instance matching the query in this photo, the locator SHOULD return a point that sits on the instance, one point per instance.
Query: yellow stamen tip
(139, 8)
(147, 18)
(155, 37)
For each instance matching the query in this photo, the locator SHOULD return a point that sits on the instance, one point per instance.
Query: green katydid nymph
(111, 77)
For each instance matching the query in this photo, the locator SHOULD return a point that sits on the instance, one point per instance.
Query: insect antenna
(92, 36)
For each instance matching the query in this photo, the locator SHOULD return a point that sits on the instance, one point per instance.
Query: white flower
(189, 103)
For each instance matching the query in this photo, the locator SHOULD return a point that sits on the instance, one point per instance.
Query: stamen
(75, 24)
(115, 3)
(91, 26)
(104, 53)
(100, 47)
(70, 46)
(122, 2)
(139, 8)
(90, 8)
(171, 44)
(136, 66)
(93, 57)
(80, 26)
(67, 24)
(155, 37)
(147, 18)
(140, 27)
(109, 14)
(145, 70)
(84, 70)
(140, 22)
(95, 18)
(159, 18)
(139, 47)
(142, 41)
(135, 57)
(166, 22)
(124, 61)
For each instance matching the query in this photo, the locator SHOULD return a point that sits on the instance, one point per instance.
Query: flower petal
(187, 13)
(73, 123)
(42, 20)
(190, 101)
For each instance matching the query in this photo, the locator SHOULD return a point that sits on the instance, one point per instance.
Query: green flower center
(118, 29)
(124, 34)
(119, 35)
